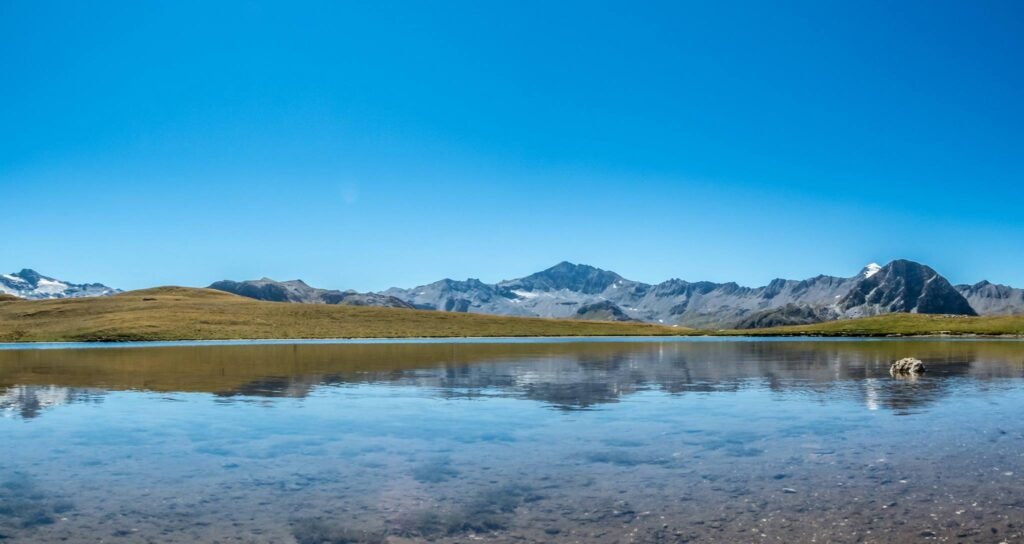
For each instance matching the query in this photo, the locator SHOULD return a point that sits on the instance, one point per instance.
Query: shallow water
(613, 441)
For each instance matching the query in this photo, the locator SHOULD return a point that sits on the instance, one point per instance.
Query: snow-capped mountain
(903, 286)
(33, 285)
(575, 291)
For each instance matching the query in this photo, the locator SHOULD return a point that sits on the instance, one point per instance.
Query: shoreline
(406, 340)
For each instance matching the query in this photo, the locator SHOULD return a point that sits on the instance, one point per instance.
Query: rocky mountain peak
(904, 286)
(30, 276)
(581, 278)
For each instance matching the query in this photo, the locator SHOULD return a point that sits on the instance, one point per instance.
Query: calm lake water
(700, 441)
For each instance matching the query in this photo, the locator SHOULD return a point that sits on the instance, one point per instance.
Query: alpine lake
(515, 440)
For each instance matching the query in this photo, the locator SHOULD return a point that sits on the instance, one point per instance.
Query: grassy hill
(901, 325)
(180, 313)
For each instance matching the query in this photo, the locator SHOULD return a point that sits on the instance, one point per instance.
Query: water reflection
(589, 442)
(564, 376)
(28, 401)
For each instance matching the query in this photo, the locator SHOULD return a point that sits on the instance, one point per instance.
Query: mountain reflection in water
(565, 376)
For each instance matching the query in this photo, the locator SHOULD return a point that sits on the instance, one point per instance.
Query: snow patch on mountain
(524, 294)
(33, 285)
(50, 287)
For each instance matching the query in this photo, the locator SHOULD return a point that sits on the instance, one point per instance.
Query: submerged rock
(907, 366)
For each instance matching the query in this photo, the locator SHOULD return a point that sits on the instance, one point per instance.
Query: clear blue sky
(370, 144)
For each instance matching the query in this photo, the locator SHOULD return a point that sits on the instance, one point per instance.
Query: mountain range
(577, 291)
(33, 285)
(571, 290)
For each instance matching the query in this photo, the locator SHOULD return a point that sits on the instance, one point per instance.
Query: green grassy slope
(902, 325)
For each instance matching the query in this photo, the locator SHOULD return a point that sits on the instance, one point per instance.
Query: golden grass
(181, 313)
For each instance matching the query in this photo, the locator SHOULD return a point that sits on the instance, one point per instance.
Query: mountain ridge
(580, 291)
(298, 291)
(989, 298)
(29, 284)
(567, 290)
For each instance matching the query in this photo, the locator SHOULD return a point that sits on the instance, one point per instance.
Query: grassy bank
(179, 313)
(901, 325)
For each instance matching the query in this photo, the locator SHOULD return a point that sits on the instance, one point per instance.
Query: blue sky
(370, 144)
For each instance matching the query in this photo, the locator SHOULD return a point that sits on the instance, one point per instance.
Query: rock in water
(906, 366)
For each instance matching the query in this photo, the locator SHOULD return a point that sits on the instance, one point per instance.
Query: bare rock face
(790, 314)
(991, 299)
(297, 291)
(903, 286)
(605, 310)
(907, 367)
